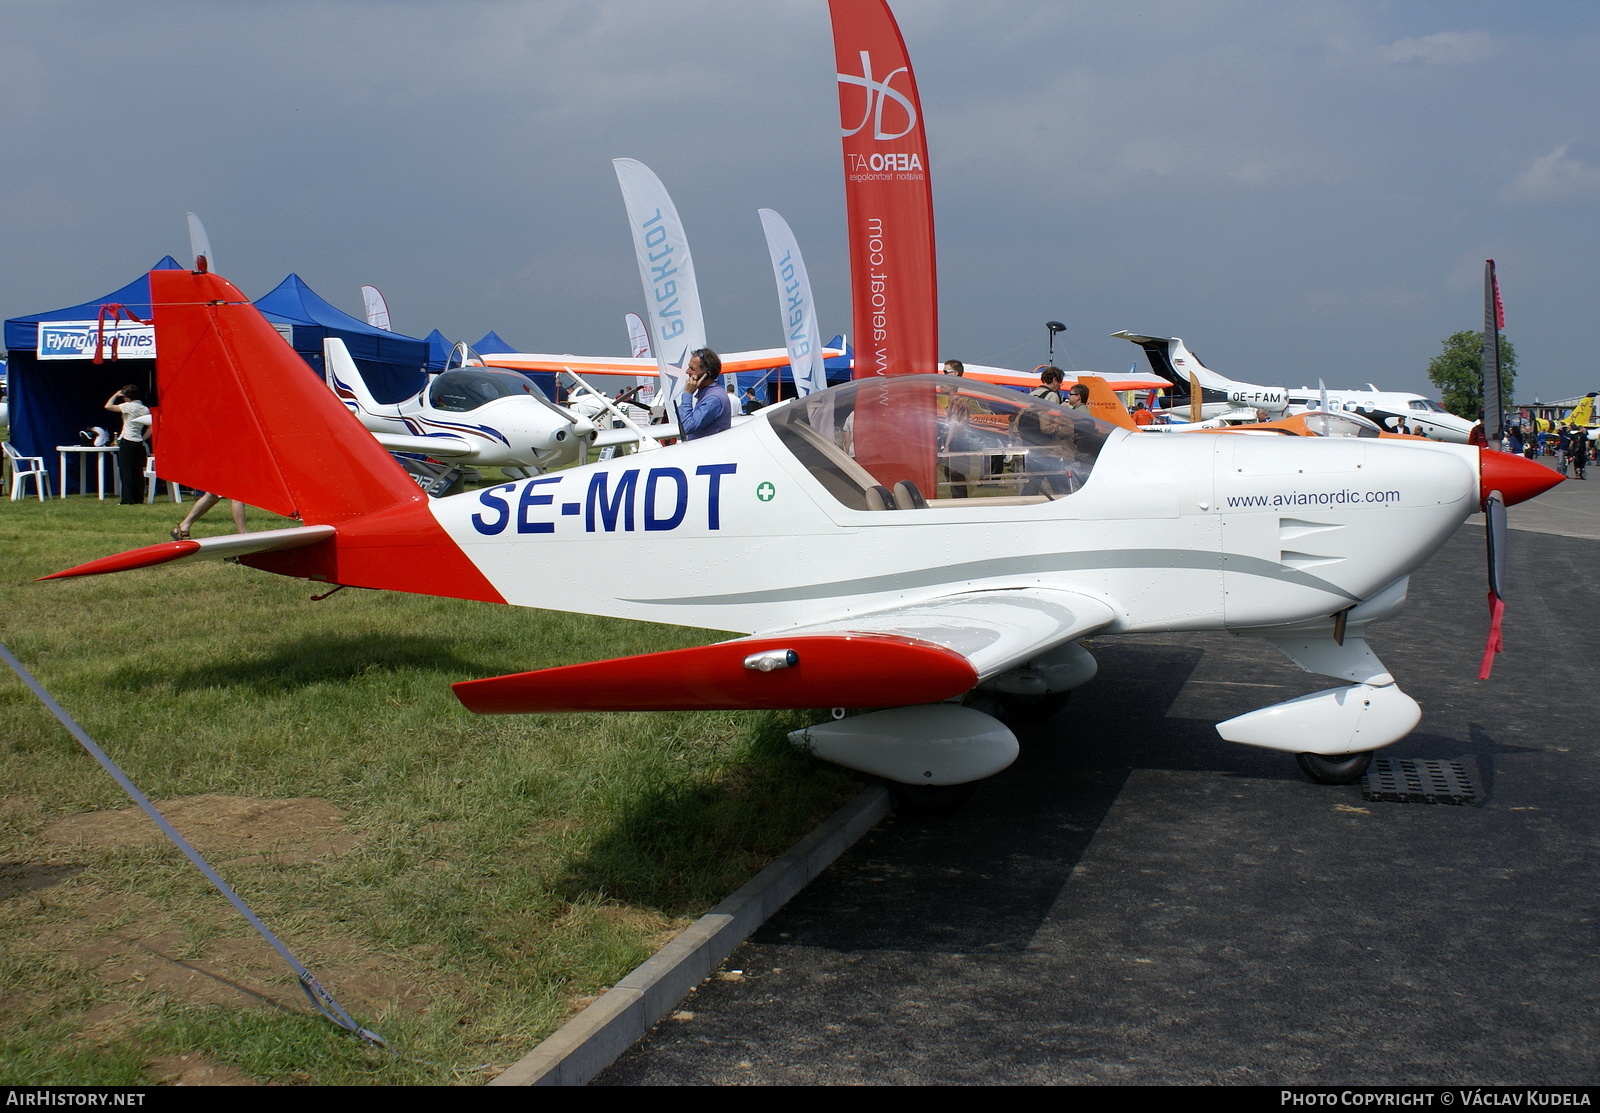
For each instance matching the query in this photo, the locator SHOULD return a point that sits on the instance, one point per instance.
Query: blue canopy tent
(439, 349)
(492, 345)
(52, 399)
(393, 366)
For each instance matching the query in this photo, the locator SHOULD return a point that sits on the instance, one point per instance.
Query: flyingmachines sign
(75, 340)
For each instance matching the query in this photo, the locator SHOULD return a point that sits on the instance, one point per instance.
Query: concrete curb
(591, 1041)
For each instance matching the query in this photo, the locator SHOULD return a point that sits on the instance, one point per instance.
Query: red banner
(889, 210)
(888, 200)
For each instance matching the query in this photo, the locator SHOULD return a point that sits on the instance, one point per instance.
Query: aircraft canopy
(909, 441)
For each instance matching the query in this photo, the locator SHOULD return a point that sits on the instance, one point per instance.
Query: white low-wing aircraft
(1229, 399)
(832, 534)
(483, 416)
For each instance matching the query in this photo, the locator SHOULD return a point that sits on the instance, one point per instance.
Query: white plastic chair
(24, 468)
(150, 483)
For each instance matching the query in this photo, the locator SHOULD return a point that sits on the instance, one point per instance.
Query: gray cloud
(1556, 176)
(1443, 48)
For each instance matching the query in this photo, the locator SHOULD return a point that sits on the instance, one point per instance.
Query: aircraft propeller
(1494, 536)
(1494, 503)
(1504, 480)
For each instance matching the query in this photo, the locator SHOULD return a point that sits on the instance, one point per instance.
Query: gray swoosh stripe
(1024, 565)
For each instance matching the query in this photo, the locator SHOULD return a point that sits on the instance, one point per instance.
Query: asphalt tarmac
(1137, 901)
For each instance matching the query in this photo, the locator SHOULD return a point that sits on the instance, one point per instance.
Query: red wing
(833, 670)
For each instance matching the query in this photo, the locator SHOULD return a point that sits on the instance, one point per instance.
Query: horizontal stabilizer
(207, 548)
(840, 670)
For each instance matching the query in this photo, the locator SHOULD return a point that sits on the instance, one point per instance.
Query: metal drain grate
(1408, 781)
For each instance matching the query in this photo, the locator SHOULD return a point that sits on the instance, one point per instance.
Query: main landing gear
(1334, 769)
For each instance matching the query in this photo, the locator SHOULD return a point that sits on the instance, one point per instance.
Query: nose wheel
(1337, 769)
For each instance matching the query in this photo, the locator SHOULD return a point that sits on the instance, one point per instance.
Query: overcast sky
(1300, 190)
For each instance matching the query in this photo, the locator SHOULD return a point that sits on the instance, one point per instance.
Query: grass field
(461, 884)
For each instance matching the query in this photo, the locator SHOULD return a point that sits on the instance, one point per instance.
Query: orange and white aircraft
(767, 358)
(897, 592)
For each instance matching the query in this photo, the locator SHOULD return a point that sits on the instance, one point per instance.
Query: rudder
(237, 412)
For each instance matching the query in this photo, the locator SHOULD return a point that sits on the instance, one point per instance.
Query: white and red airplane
(893, 591)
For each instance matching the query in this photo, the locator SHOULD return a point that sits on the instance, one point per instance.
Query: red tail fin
(239, 413)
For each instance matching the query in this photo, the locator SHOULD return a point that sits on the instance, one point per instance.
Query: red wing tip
(834, 670)
(147, 557)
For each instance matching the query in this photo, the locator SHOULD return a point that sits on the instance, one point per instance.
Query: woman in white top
(131, 447)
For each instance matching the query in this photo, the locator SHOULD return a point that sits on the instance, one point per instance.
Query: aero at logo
(879, 93)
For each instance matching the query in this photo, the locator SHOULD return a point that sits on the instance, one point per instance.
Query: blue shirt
(704, 412)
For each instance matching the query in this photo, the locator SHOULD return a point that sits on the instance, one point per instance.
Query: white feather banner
(795, 305)
(672, 299)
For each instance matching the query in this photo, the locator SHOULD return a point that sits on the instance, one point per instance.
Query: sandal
(178, 533)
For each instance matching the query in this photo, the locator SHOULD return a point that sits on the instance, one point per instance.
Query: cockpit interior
(914, 441)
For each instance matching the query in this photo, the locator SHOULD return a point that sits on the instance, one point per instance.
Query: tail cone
(1517, 479)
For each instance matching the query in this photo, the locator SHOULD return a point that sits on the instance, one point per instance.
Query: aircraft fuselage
(1175, 533)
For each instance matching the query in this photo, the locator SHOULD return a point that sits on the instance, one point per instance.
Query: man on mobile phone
(703, 408)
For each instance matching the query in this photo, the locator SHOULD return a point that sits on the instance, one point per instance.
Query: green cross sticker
(766, 492)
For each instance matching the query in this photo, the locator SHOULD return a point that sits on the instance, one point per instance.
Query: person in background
(1077, 397)
(703, 408)
(131, 446)
(203, 502)
(1578, 451)
(1142, 415)
(955, 435)
(1049, 388)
